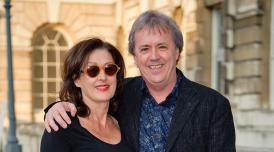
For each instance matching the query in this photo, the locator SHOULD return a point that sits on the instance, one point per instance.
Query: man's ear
(134, 58)
(177, 54)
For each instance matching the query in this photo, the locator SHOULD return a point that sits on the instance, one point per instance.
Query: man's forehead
(150, 36)
(157, 29)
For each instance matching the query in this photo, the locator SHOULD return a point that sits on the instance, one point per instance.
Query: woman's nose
(102, 75)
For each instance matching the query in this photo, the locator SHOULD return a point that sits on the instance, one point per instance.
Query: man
(161, 109)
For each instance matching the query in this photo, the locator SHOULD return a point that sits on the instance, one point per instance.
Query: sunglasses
(110, 69)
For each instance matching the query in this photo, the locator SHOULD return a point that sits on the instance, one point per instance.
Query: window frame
(217, 52)
(271, 59)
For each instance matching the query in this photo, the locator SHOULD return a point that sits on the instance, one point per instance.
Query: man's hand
(58, 112)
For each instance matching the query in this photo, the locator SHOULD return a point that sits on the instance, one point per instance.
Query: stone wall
(255, 125)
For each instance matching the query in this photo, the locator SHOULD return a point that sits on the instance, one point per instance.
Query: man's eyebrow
(144, 45)
(162, 43)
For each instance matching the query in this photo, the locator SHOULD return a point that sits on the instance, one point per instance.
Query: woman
(93, 74)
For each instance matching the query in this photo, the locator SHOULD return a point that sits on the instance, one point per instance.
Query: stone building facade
(229, 46)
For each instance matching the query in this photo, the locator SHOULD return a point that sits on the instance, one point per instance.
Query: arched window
(49, 47)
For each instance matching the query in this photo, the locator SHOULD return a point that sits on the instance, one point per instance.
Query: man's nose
(154, 54)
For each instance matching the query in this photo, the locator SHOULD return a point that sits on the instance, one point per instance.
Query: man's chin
(156, 82)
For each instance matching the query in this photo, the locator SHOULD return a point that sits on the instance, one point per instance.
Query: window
(271, 90)
(217, 54)
(49, 47)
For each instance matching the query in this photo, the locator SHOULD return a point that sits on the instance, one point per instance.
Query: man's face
(155, 55)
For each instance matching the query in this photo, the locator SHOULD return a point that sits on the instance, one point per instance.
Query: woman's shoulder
(54, 141)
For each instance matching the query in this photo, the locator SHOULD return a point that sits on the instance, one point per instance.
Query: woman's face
(99, 88)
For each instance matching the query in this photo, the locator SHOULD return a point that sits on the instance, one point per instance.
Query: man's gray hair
(153, 19)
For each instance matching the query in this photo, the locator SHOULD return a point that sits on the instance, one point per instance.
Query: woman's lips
(102, 87)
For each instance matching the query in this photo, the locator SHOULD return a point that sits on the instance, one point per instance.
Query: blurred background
(228, 45)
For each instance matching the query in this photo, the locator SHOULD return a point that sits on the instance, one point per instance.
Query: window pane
(51, 87)
(62, 41)
(51, 72)
(50, 45)
(38, 40)
(51, 33)
(37, 102)
(51, 55)
(37, 55)
(37, 87)
(37, 71)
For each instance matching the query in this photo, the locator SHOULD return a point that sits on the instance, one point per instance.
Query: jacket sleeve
(221, 130)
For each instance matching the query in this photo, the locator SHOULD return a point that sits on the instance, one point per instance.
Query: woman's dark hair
(75, 59)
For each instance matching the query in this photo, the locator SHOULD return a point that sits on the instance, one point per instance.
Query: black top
(77, 139)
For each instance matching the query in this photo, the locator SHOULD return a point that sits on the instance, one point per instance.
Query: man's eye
(144, 49)
(162, 47)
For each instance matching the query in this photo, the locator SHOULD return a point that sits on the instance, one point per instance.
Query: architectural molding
(53, 9)
(73, 1)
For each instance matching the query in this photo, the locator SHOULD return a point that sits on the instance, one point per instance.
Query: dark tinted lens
(93, 71)
(110, 69)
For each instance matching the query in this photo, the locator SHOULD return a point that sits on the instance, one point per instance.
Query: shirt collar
(178, 81)
(173, 94)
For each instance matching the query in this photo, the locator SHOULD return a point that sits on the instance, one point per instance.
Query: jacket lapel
(185, 105)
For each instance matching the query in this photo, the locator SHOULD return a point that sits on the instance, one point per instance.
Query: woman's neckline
(95, 137)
